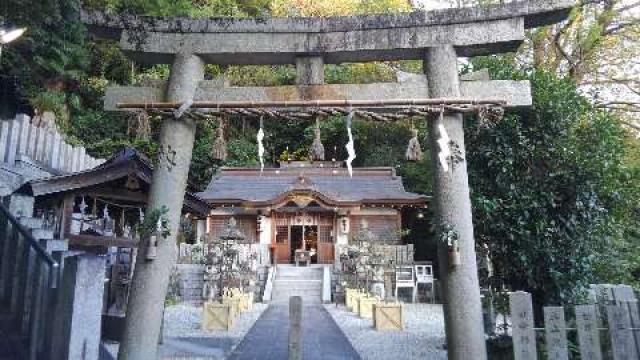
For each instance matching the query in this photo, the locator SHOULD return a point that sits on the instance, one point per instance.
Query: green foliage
(360, 73)
(546, 187)
(151, 221)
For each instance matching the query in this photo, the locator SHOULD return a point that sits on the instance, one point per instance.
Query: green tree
(548, 187)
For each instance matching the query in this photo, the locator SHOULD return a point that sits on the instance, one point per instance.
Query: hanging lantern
(219, 151)
(317, 149)
(414, 151)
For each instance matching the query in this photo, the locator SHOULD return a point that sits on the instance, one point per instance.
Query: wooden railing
(29, 279)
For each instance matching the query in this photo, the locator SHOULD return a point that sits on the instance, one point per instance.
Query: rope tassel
(414, 151)
(317, 149)
(219, 151)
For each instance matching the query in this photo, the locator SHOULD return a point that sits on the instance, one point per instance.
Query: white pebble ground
(422, 338)
(185, 321)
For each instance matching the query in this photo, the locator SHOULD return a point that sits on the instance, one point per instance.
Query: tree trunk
(151, 277)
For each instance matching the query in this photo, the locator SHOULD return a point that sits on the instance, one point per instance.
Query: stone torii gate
(436, 37)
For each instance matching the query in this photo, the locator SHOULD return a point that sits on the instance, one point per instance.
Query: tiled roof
(368, 185)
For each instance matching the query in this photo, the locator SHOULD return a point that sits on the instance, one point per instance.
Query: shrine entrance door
(318, 236)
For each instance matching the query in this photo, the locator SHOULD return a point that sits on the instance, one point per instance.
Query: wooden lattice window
(324, 234)
(248, 225)
(282, 234)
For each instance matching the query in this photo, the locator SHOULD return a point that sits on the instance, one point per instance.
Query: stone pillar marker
(622, 341)
(555, 331)
(524, 336)
(77, 329)
(588, 334)
(461, 288)
(150, 279)
(295, 328)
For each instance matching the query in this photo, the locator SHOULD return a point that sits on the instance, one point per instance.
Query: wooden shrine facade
(101, 207)
(316, 207)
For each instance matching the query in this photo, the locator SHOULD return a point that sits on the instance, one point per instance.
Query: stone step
(298, 284)
(311, 293)
(301, 276)
(294, 278)
(305, 300)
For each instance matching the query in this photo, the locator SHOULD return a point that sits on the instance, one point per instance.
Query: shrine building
(316, 207)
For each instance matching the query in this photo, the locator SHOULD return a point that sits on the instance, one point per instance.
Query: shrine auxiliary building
(311, 206)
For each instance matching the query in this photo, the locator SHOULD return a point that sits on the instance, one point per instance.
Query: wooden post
(524, 336)
(588, 334)
(460, 286)
(295, 328)
(555, 331)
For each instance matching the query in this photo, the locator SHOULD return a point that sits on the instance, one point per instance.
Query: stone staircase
(305, 282)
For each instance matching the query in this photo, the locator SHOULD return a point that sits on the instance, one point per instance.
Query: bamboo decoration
(414, 152)
(317, 149)
(219, 151)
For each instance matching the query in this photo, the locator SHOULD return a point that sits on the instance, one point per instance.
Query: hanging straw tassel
(317, 149)
(414, 151)
(143, 130)
(219, 151)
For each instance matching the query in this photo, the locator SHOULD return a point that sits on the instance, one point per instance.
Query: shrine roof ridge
(250, 187)
(535, 12)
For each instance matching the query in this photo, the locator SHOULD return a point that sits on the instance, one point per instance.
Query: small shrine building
(316, 207)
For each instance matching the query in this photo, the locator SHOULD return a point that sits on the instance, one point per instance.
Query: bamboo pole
(312, 103)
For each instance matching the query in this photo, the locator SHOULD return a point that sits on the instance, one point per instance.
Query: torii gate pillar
(151, 278)
(461, 290)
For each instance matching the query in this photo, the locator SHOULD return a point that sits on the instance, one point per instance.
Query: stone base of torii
(436, 37)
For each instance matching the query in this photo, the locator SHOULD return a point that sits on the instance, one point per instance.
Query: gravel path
(423, 337)
(185, 339)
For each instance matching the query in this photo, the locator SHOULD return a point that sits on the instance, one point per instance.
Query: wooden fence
(614, 321)
(46, 146)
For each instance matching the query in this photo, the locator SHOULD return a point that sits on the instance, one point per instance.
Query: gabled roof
(334, 186)
(127, 162)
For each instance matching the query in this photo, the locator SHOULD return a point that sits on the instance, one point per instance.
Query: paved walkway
(268, 339)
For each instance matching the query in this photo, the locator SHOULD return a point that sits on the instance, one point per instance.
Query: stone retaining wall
(190, 279)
